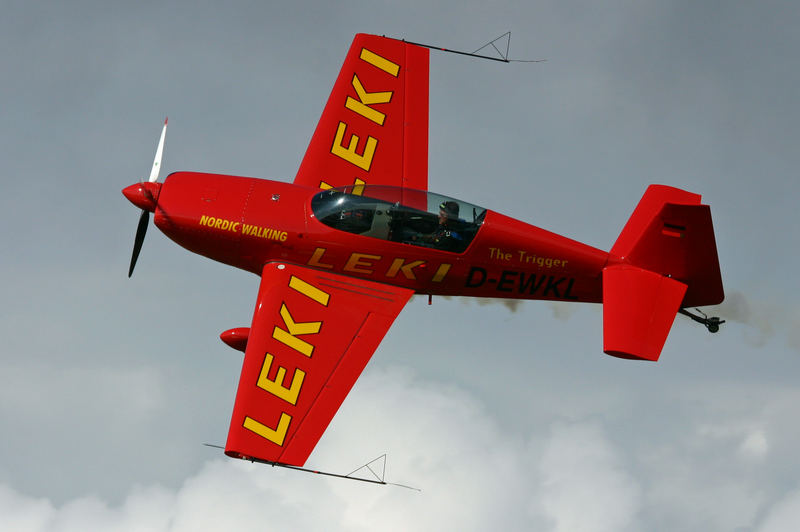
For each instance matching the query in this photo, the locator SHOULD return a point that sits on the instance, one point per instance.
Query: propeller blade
(159, 151)
(141, 230)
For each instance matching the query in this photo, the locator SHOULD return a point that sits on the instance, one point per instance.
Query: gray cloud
(699, 96)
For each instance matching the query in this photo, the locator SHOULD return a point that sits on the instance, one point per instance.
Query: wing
(312, 334)
(374, 128)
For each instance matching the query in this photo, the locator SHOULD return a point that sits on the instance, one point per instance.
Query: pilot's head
(448, 210)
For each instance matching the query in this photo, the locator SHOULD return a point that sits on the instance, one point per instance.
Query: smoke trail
(561, 310)
(511, 304)
(766, 319)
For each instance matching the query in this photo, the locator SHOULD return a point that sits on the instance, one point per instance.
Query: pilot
(445, 236)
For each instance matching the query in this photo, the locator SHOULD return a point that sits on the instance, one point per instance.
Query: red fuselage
(247, 222)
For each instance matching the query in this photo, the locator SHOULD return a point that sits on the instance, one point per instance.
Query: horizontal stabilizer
(639, 307)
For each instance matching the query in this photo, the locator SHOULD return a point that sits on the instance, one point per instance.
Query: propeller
(159, 151)
(141, 230)
(145, 195)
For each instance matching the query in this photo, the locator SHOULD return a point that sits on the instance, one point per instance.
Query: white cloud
(473, 476)
(584, 486)
(755, 445)
(19, 512)
(752, 439)
(784, 516)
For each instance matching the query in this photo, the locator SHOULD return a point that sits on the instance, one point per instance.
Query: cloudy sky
(510, 418)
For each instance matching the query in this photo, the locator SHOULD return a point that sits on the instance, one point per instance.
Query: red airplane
(342, 248)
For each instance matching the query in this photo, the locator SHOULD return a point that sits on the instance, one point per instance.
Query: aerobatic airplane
(342, 248)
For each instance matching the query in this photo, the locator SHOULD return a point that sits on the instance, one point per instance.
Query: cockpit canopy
(399, 214)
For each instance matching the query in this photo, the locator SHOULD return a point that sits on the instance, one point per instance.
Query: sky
(508, 417)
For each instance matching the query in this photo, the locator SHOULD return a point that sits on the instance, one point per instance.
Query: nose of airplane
(143, 195)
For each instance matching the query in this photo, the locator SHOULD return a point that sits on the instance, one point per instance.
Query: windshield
(398, 214)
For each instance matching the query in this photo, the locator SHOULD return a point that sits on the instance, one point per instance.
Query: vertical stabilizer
(664, 259)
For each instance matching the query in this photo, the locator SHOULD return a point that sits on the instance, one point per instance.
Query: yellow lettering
(358, 186)
(355, 264)
(290, 338)
(363, 161)
(276, 387)
(300, 327)
(266, 233)
(221, 223)
(441, 272)
(375, 60)
(407, 269)
(309, 290)
(301, 346)
(365, 99)
(315, 259)
(275, 435)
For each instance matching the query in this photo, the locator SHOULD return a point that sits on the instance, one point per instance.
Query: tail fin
(664, 259)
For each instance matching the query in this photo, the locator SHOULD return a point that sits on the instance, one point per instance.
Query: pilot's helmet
(450, 208)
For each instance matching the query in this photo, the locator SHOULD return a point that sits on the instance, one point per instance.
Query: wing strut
(379, 479)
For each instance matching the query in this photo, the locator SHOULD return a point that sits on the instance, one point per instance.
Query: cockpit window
(397, 214)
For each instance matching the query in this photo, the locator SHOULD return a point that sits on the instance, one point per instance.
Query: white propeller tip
(159, 151)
